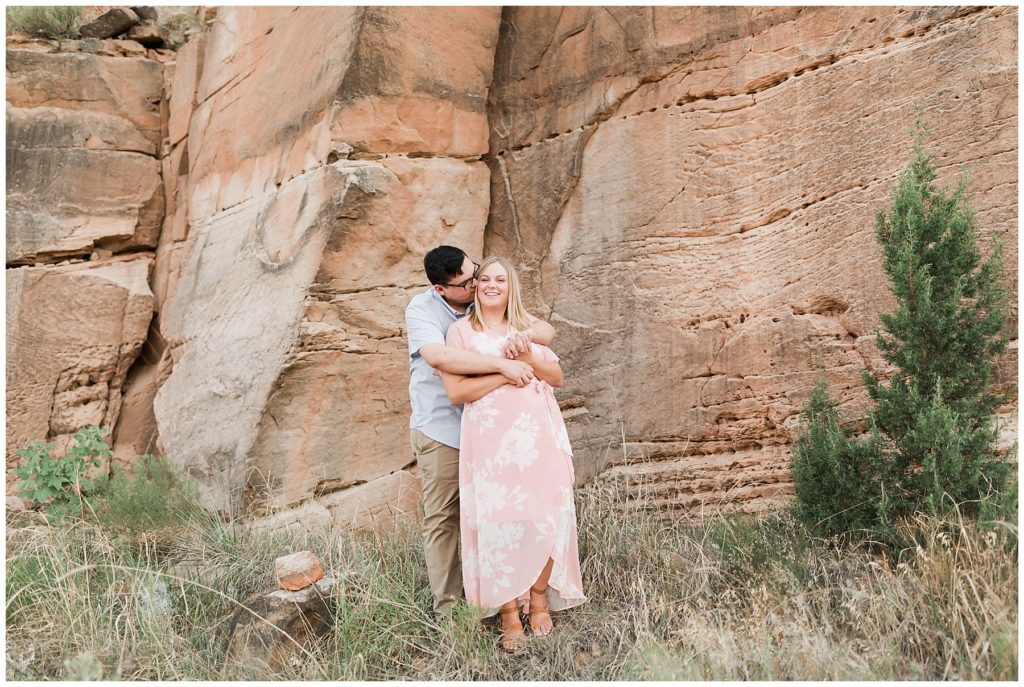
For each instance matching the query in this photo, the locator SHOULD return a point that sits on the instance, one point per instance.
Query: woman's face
(492, 287)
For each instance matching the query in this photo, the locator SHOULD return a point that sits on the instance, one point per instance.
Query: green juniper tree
(932, 427)
(836, 476)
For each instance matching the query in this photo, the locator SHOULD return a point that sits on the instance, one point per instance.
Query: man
(435, 423)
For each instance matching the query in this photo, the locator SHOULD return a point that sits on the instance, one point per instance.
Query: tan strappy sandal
(513, 639)
(539, 611)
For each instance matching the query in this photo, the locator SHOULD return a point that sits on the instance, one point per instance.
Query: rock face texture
(691, 193)
(83, 186)
(83, 133)
(73, 331)
(293, 243)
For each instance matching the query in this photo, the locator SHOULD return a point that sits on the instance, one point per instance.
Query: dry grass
(49, 22)
(718, 598)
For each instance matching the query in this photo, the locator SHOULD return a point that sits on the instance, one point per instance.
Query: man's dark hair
(443, 263)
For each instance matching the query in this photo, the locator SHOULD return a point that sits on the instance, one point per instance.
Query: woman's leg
(540, 619)
(512, 637)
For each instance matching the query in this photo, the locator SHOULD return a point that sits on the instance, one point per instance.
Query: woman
(518, 519)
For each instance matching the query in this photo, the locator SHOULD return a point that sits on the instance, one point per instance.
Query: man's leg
(439, 471)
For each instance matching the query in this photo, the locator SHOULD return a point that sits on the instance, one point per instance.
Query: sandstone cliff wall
(84, 205)
(690, 193)
(295, 240)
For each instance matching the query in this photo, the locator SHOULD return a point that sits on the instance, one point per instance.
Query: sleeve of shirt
(456, 337)
(544, 353)
(422, 330)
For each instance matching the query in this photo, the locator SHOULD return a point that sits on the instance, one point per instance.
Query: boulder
(379, 505)
(111, 23)
(269, 628)
(73, 331)
(149, 33)
(298, 570)
(146, 13)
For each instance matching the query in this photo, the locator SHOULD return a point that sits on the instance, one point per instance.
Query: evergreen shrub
(932, 443)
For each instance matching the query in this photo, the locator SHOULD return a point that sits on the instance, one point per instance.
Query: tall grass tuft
(714, 597)
(45, 21)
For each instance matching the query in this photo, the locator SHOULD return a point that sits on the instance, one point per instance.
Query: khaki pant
(439, 471)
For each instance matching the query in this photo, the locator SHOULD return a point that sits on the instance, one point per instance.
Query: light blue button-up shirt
(427, 319)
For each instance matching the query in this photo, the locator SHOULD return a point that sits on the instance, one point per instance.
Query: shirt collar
(455, 313)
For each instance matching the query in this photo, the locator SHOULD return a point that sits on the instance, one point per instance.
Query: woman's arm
(549, 371)
(463, 389)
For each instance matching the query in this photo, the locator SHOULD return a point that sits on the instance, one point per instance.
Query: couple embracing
(492, 448)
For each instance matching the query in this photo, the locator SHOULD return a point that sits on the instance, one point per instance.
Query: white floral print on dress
(517, 443)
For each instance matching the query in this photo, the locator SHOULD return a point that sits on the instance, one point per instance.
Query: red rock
(298, 570)
(689, 192)
(128, 88)
(149, 34)
(701, 227)
(319, 256)
(73, 331)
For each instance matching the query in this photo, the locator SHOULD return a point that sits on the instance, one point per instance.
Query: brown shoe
(540, 618)
(513, 639)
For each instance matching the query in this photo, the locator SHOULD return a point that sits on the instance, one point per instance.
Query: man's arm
(462, 389)
(542, 332)
(458, 361)
(426, 339)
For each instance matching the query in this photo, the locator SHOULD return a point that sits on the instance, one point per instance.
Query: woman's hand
(517, 343)
(526, 355)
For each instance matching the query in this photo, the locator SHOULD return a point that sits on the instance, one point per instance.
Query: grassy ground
(141, 590)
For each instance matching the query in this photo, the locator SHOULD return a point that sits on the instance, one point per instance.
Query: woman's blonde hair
(514, 310)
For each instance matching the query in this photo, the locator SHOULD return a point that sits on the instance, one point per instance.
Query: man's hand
(518, 343)
(516, 371)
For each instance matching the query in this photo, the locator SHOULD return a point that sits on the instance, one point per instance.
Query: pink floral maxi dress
(515, 489)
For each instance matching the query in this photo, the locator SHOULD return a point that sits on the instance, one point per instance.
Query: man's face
(461, 287)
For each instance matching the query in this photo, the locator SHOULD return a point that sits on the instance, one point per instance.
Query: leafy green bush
(49, 22)
(932, 443)
(58, 483)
